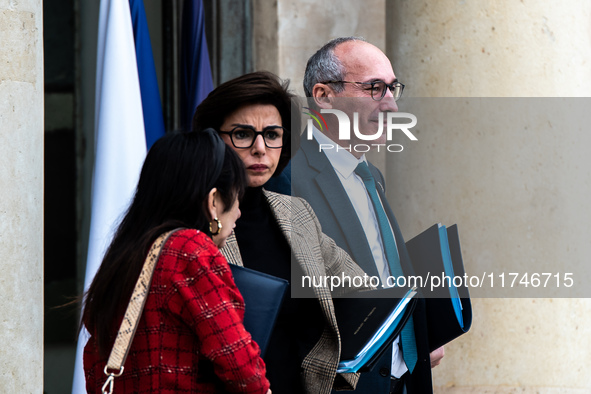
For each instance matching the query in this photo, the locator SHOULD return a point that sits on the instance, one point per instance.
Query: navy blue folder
(449, 311)
(263, 295)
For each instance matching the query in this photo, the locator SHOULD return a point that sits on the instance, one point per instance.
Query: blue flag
(151, 104)
(196, 81)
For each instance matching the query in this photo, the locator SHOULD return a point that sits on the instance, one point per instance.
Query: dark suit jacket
(314, 179)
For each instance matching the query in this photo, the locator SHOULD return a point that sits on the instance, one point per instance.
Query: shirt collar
(343, 161)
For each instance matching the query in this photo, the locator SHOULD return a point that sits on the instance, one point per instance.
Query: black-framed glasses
(243, 137)
(378, 88)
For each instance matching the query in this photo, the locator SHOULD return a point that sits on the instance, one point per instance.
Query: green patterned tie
(407, 336)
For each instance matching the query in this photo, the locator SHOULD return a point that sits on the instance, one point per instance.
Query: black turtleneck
(264, 248)
(262, 244)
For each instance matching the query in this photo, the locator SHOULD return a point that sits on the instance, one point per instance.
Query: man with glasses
(347, 192)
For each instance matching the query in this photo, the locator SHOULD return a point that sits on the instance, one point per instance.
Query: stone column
(21, 201)
(501, 49)
(287, 32)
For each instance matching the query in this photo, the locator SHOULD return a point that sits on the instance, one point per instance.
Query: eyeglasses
(243, 137)
(378, 88)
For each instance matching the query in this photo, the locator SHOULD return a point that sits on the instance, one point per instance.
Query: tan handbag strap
(133, 314)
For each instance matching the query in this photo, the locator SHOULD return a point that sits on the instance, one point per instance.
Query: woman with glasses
(252, 113)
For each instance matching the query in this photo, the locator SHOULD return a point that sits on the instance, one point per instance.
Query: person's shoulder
(188, 235)
(278, 199)
(307, 152)
(183, 249)
(373, 168)
(299, 156)
(190, 242)
(296, 210)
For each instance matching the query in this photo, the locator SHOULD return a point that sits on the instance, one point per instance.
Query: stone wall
(21, 191)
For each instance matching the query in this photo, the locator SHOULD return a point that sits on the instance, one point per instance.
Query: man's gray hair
(324, 66)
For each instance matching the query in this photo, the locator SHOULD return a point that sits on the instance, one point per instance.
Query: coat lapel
(337, 201)
(282, 213)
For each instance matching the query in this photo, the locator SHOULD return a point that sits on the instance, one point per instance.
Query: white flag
(120, 141)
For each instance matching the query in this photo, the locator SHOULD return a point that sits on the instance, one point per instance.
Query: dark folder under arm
(436, 252)
(263, 295)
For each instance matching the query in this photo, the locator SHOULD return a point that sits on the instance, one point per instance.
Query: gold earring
(218, 227)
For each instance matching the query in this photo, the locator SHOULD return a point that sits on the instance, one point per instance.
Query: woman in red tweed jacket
(191, 337)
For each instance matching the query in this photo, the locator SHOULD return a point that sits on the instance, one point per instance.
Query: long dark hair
(261, 87)
(176, 178)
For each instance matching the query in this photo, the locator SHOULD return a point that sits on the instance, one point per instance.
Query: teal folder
(437, 252)
(263, 296)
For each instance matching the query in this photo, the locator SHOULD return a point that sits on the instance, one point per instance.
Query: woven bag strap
(133, 314)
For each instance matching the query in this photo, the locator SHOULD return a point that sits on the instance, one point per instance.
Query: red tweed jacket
(190, 337)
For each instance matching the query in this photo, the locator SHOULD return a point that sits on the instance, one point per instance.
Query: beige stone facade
(21, 201)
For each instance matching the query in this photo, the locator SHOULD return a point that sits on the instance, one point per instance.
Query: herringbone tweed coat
(317, 255)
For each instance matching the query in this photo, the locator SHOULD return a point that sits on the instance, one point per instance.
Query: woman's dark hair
(261, 87)
(176, 178)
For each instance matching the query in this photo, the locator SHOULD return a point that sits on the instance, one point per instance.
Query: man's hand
(436, 356)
